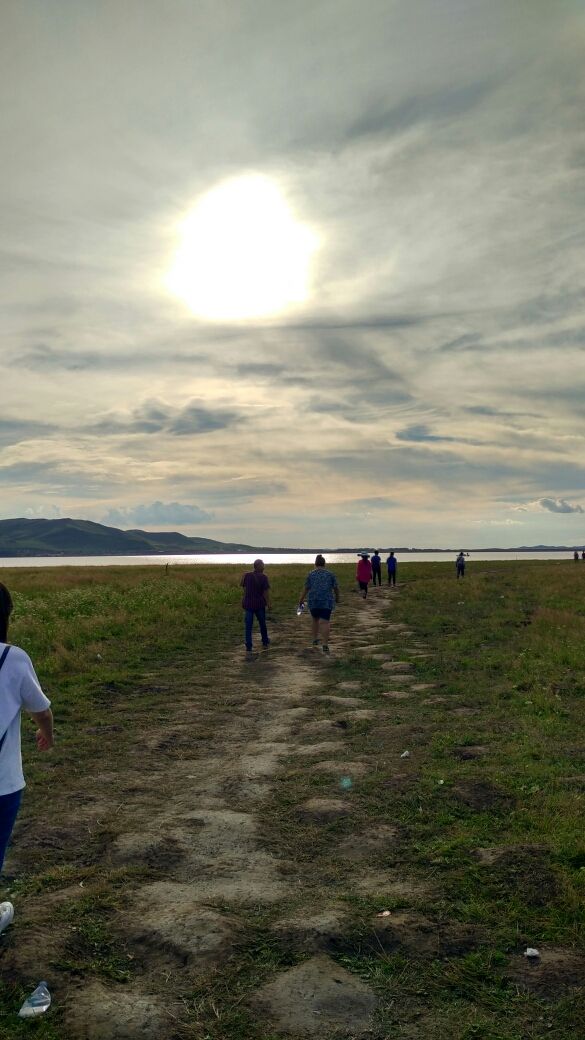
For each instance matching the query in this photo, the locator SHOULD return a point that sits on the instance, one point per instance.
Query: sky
(304, 274)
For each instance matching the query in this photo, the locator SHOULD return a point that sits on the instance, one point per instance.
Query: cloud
(157, 417)
(507, 522)
(559, 505)
(420, 432)
(439, 355)
(163, 513)
(549, 505)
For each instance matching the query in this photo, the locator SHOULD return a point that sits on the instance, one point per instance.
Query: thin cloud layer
(436, 370)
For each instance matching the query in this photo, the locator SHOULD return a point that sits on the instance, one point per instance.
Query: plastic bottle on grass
(38, 1002)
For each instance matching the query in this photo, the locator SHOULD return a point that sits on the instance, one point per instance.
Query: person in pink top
(364, 573)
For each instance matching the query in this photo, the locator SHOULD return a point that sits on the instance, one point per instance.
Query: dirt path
(195, 812)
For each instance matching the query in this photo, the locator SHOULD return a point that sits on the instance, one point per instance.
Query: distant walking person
(364, 573)
(322, 591)
(460, 565)
(19, 688)
(254, 602)
(392, 565)
(377, 567)
(575, 555)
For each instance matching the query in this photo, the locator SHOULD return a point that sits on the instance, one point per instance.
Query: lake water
(246, 558)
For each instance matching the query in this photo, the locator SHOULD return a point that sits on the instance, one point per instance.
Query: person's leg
(261, 615)
(315, 629)
(248, 622)
(325, 631)
(9, 806)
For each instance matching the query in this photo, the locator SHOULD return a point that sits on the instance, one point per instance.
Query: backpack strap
(3, 657)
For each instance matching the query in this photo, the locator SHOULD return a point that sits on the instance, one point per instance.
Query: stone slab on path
(318, 998)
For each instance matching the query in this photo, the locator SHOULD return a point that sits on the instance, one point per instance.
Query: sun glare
(242, 253)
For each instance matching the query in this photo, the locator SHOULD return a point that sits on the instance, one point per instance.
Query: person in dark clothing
(376, 567)
(392, 565)
(254, 602)
(460, 565)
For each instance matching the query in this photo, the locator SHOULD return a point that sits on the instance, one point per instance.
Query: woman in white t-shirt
(19, 688)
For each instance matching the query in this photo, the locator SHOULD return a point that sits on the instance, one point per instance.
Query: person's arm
(304, 595)
(267, 599)
(336, 592)
(44, 735)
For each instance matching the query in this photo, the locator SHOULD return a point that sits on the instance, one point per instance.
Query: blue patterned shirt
(321, 584)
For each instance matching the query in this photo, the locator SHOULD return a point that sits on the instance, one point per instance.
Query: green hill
(69, 537)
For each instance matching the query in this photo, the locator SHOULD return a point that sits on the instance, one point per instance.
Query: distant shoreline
(291, 552)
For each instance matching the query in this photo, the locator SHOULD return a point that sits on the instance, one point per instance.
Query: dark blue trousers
(9, 806)
(249, 621)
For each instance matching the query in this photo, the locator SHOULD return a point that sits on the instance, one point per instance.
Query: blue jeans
(249, 621)
(9, 806)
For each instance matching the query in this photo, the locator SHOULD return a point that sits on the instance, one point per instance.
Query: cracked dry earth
(196, 812)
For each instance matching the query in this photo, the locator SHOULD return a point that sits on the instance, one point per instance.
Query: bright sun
(242, 253)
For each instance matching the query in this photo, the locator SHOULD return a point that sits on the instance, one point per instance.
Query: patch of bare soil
(318, 998)
(170, 918)
(421, 937)
(481, 794)
(558, 971)
(325, 747)
(489, 856)
(468, 752)
(341, 768)
(367, 845)
(96, 1012)
(313, 931)
(389, 885)
(342, 702)
(526, 872)
(396, 695)
(323, 810)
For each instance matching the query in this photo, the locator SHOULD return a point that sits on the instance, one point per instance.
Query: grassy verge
(487, 811)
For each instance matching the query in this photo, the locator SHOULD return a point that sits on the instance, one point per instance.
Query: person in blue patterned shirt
(322, 591)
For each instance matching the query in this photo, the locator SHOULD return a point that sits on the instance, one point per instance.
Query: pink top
(364, 570)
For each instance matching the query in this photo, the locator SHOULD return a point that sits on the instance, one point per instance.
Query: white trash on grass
(38, 1002)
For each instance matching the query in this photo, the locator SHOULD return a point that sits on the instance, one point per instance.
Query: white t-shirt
(19, 688)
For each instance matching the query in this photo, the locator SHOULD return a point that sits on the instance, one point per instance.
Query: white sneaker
(6, 915)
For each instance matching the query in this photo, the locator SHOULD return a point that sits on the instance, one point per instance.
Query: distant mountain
(68, 537)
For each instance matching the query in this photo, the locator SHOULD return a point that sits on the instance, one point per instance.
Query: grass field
(474, 842)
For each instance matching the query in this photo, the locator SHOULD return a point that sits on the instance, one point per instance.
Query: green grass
(508, 644)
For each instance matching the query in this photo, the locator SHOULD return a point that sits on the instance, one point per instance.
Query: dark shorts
(321, 612)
